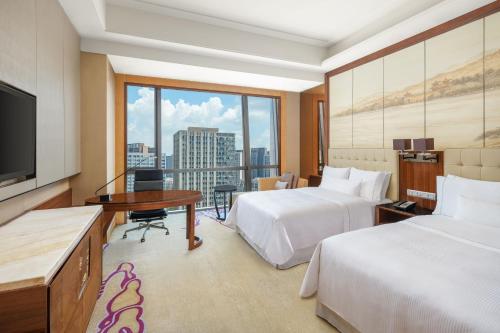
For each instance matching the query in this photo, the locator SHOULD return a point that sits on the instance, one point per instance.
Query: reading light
(423, 146)
(402, 145)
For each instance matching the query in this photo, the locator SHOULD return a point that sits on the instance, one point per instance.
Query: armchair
(266, 184)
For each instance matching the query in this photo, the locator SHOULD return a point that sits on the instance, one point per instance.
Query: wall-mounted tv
(17, 135)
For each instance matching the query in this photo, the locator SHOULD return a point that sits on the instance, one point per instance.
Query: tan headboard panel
(369, 159)
(479, 163)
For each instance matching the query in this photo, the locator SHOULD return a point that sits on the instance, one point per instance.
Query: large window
(202, 139)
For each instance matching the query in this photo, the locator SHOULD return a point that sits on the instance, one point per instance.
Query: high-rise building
(204, 148)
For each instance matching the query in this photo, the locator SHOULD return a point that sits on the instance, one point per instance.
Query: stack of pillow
(370, 185)
(467, 199)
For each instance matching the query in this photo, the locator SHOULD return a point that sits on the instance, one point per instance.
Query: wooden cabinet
(67, 302)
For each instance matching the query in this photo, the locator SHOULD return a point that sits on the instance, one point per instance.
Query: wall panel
(454, 87)
(368, 116)
(71, 99)
(18, 44)
(50, 103)
(404, 94)
(492, 80)
(340, 103)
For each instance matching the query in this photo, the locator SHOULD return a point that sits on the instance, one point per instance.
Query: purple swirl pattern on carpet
(124, 310)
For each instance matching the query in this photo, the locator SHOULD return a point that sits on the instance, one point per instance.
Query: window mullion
(158, 126)
(246, 143)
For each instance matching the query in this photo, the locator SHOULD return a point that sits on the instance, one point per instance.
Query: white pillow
(385, 186)
(455, 186)
(439, 194)
(280, 185)
(339, 173)
(477, 211)
(341, 185)
(371, 183)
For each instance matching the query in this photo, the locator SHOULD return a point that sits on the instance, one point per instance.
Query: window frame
(247, 167)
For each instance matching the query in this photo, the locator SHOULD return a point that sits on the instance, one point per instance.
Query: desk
(148, 200)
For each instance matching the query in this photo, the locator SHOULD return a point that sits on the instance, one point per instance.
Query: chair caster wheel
(142, 240)
(167, 233)
(124, 236)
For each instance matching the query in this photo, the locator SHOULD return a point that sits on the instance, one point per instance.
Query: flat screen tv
(17, 135)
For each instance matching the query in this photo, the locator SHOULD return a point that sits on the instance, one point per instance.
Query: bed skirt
(334, 319)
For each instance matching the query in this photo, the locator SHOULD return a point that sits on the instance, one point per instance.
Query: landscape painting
(454, 87)
(404, 90)
(368, 113)
(492, 80)
(340, 101)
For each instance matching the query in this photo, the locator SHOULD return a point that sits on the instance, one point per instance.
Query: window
(202, 139)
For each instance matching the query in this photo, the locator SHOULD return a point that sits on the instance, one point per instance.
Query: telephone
(405, 205)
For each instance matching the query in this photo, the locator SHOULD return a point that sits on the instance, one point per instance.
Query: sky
(184, 108)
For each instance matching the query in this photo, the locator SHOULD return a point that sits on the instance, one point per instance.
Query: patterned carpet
(223, 286)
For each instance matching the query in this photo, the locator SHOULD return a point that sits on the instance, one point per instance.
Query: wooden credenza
(61, 297)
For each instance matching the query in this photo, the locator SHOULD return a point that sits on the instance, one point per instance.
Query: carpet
(223, 286)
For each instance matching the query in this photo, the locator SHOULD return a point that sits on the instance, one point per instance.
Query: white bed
(437, 273)
(284, 226)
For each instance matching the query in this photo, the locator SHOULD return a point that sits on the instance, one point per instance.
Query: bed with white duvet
(284, 226)
(438, 273)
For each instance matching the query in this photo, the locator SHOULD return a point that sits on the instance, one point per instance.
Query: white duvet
(284, 226)
(426, 274)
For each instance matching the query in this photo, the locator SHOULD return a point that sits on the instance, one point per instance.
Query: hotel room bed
(438, 273)
(284, 226)
(425, 274)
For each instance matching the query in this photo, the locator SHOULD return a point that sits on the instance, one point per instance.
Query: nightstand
(387, 214)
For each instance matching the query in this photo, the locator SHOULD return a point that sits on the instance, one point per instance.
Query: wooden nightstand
(387, 214)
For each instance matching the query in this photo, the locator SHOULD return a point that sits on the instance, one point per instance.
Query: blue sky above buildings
(184, 108)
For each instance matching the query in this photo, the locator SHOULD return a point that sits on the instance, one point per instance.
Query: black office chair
(148, 180)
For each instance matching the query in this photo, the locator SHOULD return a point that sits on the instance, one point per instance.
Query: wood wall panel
(340, 110)
(309, 136)
(454, 87)
(61, 200)
(492, 80)
(404, 75)
(420, 177)
(367, 111)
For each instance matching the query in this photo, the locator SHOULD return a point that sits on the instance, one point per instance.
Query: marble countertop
(34, 246)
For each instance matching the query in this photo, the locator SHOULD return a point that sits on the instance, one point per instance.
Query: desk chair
(148, 180)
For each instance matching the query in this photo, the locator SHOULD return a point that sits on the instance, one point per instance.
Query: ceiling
(275, 44)
(323, 22)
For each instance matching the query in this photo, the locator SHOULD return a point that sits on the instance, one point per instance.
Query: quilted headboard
(474, 163)
(369, 159)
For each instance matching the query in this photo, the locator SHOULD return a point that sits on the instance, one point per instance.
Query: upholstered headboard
(369, 159)
(474, 163)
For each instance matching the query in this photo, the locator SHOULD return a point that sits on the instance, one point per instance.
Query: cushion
(385, 186)
(288, 178)
(439, 194)
(342, 173)
(346, 186)
(372, 183)
(455, 186)
(280, 185)
(478, 211)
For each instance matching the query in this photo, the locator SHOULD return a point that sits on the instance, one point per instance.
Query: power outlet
(421, 194)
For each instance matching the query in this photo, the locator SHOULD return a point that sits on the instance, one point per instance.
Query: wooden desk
(148, 200)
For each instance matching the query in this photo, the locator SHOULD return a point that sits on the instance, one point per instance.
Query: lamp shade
(423, 144)
(401, 144)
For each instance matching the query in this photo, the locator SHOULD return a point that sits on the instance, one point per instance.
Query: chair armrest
(266, 184)
(302, 182)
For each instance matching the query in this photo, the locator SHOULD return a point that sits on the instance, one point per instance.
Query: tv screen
(17, 134)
